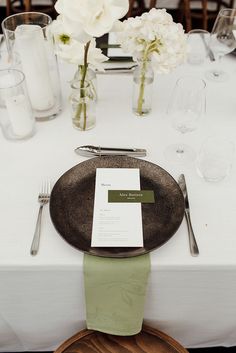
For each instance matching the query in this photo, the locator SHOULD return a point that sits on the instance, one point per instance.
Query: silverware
(43, 199)
(192, 241)
(118, 69)
(208, 49)
(211, 55)
(88, 151)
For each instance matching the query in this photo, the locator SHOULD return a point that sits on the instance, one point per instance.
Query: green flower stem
(141, 88)
(82, 108)
(149, 48)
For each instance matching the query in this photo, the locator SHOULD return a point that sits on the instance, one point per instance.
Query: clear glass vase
(83, 104)
(91, 80)
(28, 37)
(143, 77)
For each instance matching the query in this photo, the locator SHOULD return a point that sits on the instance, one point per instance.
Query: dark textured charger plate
(72, 200)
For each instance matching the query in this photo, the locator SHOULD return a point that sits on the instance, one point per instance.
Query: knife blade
(192, 240)
(88, 151)
(118, 70)
(208, 49)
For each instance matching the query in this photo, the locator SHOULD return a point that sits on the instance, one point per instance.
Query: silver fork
(43, 199)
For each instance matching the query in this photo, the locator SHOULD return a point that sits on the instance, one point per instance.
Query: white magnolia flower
(63, 32)
(73, 52)
(94, 17)
(156, 37)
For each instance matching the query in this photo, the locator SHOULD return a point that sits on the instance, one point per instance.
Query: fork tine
(45, 189)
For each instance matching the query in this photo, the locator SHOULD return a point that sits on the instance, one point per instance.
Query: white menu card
(116, 224)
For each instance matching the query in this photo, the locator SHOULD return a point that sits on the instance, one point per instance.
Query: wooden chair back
(136, 8)
(149, 340)
(188, 11)
(203, 14)
(26, 5)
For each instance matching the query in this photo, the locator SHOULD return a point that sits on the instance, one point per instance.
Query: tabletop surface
(50, 153)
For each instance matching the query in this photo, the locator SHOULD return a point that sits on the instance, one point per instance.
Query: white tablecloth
(191, 299)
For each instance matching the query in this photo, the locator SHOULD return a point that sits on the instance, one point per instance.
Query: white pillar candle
(31, 48)
(20, 115)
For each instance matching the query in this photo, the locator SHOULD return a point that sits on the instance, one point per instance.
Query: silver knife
(118, 70)
(89, 151)
(208, 49)
(192, 240)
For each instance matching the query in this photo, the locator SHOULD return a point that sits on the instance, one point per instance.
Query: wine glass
(222, 41)
(186, 108)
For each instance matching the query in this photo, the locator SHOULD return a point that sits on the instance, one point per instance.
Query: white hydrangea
(154, 36)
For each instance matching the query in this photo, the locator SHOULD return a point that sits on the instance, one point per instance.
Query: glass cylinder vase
(83, 104)
(90, 80)
(143, 78)
(27, 35)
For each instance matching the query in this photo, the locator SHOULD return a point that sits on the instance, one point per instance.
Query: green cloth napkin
(115, 293)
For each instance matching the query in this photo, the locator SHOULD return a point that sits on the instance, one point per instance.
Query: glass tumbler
(16, 115)
(215, 158)
(198, 40)
(27, 35)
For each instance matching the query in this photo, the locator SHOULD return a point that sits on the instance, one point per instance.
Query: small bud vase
(91, 79)
(143, 78)
(83, 101)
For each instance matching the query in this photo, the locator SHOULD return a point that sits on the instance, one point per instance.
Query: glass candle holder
(27, 35)
(16, 115)
(215, 159)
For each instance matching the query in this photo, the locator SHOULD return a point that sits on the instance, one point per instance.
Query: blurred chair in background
(136, 8)
(205, 13)
(14, 6)
(198, 13)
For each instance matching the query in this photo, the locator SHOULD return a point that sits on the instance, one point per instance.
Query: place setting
(88, 207)
(127, 222)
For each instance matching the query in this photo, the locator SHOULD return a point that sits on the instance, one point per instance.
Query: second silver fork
(43, 199)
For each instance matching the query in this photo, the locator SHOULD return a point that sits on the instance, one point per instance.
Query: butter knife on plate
(192, 240)
(89, 151)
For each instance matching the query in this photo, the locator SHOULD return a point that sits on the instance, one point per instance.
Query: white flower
(62, 31)
(74, 54)
(94, 17)
(154, 36)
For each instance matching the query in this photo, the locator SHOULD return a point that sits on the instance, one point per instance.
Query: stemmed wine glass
(186, 108)
(222, 41)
